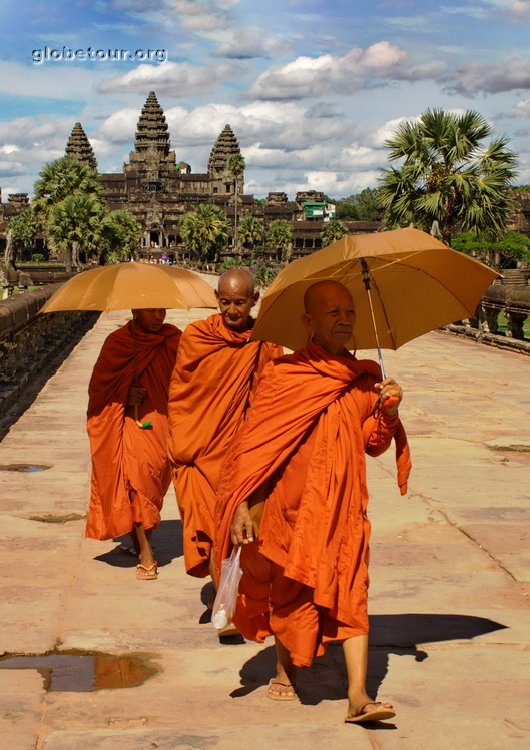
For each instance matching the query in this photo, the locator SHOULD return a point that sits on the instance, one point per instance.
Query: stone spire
(225, 145)
(151, 132)
(79, 148)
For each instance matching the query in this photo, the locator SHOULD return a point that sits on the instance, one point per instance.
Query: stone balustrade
(510, 297)
(31, 344)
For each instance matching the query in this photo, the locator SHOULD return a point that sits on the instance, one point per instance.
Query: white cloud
(324, 75)
(521, 109)
(174, 79)
(519, 10)
(475, 78)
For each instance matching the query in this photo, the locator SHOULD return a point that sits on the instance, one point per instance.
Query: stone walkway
(449, 605)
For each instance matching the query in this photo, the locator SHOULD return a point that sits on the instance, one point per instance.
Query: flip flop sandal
(284, 696)
(149, 573)
(377, 714)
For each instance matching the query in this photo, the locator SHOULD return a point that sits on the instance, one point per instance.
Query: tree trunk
(10, 252)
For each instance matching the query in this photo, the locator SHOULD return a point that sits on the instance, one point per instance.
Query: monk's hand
(390, 395)
(241, 530)
(135, 396)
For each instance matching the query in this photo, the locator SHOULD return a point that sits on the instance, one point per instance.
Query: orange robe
(210, 389)
(130, 469)
(305, 578)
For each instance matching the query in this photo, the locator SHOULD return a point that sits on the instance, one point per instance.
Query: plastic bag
(226, 597)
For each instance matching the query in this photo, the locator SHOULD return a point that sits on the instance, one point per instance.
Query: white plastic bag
(226, 597)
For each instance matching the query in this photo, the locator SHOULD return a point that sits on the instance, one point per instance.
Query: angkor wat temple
(158, 190)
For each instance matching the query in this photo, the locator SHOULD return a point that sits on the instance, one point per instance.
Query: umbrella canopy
(417, 284)
(124, 286)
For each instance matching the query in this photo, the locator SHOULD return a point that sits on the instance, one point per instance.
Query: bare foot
(280, 690)
(368, 709)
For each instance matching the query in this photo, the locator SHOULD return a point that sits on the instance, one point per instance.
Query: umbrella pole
(366, 281)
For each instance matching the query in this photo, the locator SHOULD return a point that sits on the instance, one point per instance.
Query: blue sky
(311, 88)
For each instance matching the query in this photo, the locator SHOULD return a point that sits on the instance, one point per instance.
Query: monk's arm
(381, 423)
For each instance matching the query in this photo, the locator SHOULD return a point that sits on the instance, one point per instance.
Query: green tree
(73, 226)
(448, 175)
(236, 165)
(118, 234)
(205, 231)
(250, 232)
(62, 178)
(21, 230)
(363, 206)
(503, 253)
(279, 238)
(332, 231)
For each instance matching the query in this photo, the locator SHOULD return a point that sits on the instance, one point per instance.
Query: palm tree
(73, 225)
(21, 230)
(250, 232)
(118, 233)
(61, 178)
(448, 175)
(236, 165)
(333, 230)
(280, 238)
(205, 231)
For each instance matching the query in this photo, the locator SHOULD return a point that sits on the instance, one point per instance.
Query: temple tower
(151, 155)
(221, 178)
(79, 148)
(152, 132)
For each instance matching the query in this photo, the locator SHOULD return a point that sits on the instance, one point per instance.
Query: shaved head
(320, 290)
(238, 278)
(329, 315)
(236, 295)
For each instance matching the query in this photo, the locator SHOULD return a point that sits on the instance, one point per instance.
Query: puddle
(28, 468)
(84, 672)
(55, 517)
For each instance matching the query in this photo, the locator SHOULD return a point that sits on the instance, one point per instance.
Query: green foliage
(250, 232)
(37, 258)
(73, 225)
(264, 275)
(229, 263)
(62, 178)
(332, 231)
(118, 233)
(364, 206)
(447, 174)
(24, 226)
(236, 164)
(279, 237)
(504, 253)
(205, 231)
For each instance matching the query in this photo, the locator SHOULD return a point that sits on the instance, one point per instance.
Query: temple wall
(33, 345)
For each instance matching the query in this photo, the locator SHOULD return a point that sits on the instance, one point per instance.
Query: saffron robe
(130, 469)
(303, 445)
(210, 390)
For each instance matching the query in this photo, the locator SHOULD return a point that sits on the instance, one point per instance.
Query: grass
(502, 323)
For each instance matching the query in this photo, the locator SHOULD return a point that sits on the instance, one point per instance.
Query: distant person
(127, 428)
(293, 493)
(211, 388)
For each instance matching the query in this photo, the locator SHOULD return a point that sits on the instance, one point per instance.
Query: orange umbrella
(404, 283)
(124, 286)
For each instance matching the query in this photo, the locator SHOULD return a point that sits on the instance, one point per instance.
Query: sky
(311, 88)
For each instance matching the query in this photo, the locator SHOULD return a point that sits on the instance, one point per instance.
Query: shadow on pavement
(390, 634)
(167, 545)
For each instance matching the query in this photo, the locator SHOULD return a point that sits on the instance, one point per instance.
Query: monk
(211, 388)
(293, 494)
(127, 429)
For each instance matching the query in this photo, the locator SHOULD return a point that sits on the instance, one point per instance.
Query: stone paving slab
(449, 605)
